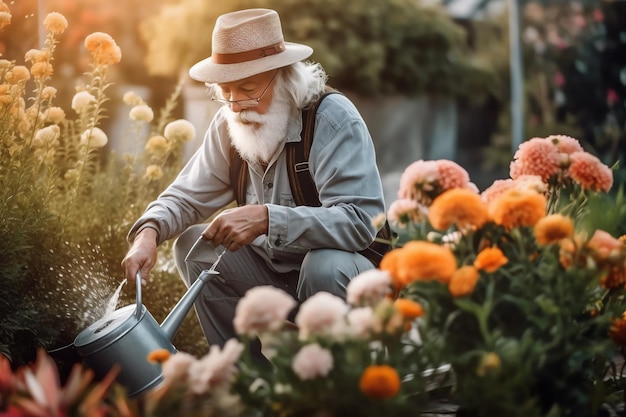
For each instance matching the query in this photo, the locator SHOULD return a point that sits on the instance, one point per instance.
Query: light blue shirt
(342, 162)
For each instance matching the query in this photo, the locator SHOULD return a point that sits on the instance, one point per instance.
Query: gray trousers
(327, 270)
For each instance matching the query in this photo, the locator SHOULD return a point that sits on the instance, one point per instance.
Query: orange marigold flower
(590, 172)
(55, 23)
(17, 74)
(408, 308)
(461, 207)
(420, 260)
(451, 175)
(380, 382)
(614, 278)
(617, 331)
(390, 263)
(553, 228)
(536, 157)
(159, 356)
(103, 48)
(515, 208)
(490, 259)
(463, 281)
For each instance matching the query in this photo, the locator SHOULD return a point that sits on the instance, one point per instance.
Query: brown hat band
(245, 56)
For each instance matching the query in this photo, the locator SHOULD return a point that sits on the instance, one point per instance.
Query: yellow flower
(463, 281)
(153, 172)
(157, 145)
(131, 98)
(553, 228)
(54, 115)
(489, 363)
(41, 70)
(490, 259)
(461, 207)
(48, 93)
(380, 382)
(5, 19)
(515, 208)
(17, 74)
(37, 55)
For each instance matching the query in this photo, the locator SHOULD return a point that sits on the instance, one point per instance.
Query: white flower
(94, 138)
(141, 113)
(131, 98)
(216, 368)
(369, 287)
(320, 313)
(180, 130)
(82, 100)
(361, 322)
(177, 366)
(312, 361)
(47, 135)
(263, 308)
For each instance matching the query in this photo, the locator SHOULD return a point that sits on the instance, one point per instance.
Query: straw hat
(246, 43)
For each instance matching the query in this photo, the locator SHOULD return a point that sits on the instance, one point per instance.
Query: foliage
(67, 202)
(388, 47)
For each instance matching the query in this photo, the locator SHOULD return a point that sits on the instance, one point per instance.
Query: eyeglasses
(247, 102)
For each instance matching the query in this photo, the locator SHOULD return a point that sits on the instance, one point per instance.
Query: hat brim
(209, 72)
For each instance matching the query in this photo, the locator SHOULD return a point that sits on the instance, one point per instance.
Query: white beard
(258, 137)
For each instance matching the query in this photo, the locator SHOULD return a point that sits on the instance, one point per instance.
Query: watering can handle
(138, 305)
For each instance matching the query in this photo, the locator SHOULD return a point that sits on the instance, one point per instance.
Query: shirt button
(270, 185)
(278, 242)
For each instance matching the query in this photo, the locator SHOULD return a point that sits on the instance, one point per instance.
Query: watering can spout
(175, 318)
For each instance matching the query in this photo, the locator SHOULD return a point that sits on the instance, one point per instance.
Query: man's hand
(237, 227)
(141, 256)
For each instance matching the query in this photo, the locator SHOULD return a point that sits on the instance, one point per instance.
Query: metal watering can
(129, 334)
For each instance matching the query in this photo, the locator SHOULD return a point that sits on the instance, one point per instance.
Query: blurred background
(465, 80)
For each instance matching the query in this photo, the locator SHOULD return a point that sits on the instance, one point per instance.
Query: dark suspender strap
(238, 176)
(303, 187)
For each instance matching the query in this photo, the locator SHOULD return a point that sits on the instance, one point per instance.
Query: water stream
(112, 304)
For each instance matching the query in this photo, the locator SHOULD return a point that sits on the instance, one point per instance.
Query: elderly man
(265, 85)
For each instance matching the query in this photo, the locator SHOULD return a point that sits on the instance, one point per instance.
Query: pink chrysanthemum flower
(451, 175)
(536, 157)
(404, 212)
(590, 172)
(497, 188)
(418, 178)
(565, 144)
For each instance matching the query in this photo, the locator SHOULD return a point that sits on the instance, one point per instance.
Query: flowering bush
(66, 199)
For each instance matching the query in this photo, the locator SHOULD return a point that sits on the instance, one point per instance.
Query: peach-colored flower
(5, 19)
(553, 228)
(82, 100)
(536, 157)
(319, 314)
(255, 314)
(312, 361)
(54, 115)
(590, 172)
(404, 212)
(418, 179)
(459, 207)
(103, 48)
(565, 144)
(37, 55)
(141, 113)
(451, 175)
(463, 281)
(604, 245)
(55, 23)
(18, 74)
(419, 260)
(490, 260)
(176, 368)
(215, 369)
(515, 208)
(41, 70)
(369, 287)
(48, 93)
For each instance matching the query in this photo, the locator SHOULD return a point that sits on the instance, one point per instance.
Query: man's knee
(329, 270)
